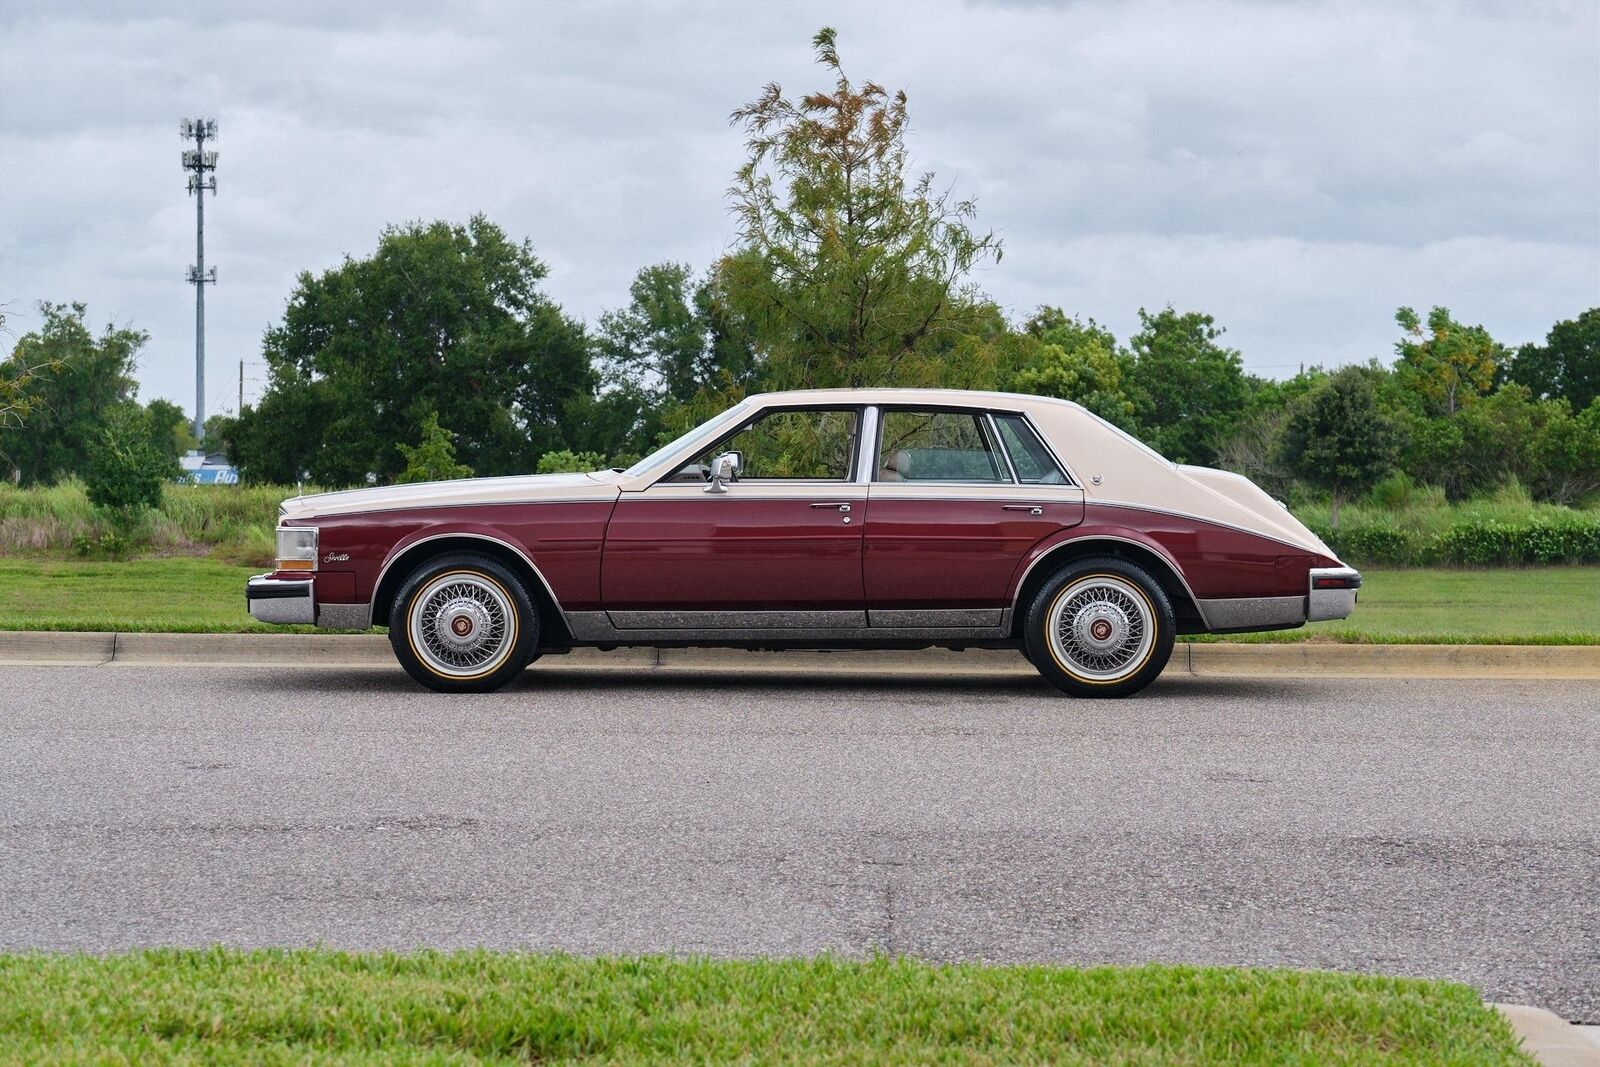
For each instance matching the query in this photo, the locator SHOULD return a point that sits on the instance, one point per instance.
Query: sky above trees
(1295, 170)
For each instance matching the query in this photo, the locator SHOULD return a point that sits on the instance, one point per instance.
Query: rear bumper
(1332, 594)
(280, 601)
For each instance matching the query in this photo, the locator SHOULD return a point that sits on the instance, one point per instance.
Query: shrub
(128, 468)
(1394, 492)
(1381, 543)
(1485, 542)
(567, 462)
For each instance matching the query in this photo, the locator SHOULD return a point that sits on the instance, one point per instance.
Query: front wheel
(462, 623)
(1100, 628)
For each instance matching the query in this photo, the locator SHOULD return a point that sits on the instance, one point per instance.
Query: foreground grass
(182, 594)
(276, 1006)
(1536, 605)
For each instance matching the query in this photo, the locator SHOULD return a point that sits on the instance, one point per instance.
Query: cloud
(1297, 170)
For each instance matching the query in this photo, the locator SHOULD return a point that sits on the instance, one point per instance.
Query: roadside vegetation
(293, 1006)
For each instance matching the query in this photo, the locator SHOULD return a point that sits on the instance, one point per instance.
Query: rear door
(957, 499)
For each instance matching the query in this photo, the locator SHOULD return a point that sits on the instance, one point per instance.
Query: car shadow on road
(555, 679)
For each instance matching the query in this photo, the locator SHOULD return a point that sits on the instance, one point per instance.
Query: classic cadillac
(868, 518)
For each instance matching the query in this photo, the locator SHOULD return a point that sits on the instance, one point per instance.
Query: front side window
(937, 446)
(789, 444)
(1035, 465)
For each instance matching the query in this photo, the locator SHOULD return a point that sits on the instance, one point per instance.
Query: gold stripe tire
(462, 623)
(1100, 627)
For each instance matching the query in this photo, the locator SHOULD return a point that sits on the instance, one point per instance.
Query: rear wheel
(1100, 628)
(463, 624)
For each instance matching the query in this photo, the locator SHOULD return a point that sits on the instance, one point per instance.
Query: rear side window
(1035, 465)
(938, 446)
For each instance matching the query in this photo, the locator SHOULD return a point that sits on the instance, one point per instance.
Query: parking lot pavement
(1426, 827)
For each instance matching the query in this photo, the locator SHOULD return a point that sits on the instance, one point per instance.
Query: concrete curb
(1549, 1038)
(1204, 660)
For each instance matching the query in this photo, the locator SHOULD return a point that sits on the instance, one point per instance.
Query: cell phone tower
(201, 163)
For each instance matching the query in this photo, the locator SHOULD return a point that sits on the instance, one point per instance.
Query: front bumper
(280, 600)
(1332, 594)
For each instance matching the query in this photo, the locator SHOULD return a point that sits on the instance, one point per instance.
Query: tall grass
(227, 522)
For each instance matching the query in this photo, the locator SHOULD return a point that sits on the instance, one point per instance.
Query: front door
(780, 549)
(958, 498)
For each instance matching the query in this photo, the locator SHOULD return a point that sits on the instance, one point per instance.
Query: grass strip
(295, 1006)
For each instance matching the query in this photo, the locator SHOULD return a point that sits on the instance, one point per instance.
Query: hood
(1238, 493)
(600, 485)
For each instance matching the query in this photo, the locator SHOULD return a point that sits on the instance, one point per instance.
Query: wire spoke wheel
(462, 624)
(1101, 628)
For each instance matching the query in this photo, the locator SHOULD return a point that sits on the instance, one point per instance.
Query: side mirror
(724, 469)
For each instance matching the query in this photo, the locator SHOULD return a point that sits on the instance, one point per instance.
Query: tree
(128, 466)
(1566, 455)
(675, 338)
(1566, 365)
(70, 380)
(434, 459)
(1448, 363)
(1336, 439)
(849, 273)
(1077, 361)
(1188, 391)
(169, 427)
(442, 319)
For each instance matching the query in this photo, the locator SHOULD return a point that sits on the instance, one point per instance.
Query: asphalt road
(1402, 826)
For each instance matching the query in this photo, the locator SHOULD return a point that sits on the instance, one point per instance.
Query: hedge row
(1473, 542)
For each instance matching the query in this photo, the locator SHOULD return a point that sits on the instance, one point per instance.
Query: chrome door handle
(1031, 509)
(841, 505)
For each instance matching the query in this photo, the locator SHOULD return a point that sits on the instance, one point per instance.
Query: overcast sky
(1297, 170)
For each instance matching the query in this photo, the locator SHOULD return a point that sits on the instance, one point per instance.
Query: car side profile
(862, 518)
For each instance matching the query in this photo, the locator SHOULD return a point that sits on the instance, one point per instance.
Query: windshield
(705, 429)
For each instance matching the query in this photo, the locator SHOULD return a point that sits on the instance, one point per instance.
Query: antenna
(201, 164)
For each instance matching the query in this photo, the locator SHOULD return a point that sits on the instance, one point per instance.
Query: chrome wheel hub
(1101, 628)
(463, 625)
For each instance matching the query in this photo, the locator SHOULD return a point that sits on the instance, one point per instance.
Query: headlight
(297, 548)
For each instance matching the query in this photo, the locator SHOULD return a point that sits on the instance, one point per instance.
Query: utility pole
(240, 409)
(200, 162)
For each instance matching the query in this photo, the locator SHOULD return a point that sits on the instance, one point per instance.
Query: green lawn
(180, 593)
(1556, 605)
(1500, 606)
(278, 1006)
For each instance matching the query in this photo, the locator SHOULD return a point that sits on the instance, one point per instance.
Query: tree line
(440, 353)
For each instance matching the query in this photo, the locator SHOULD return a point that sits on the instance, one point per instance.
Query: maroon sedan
(874, 518)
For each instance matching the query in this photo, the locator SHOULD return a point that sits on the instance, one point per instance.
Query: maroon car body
(856, 518)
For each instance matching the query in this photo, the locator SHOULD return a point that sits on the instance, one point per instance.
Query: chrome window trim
(372, 601)
(867, 446)
(979, 416)
(758, 412)
(1000, 446)
(1044, 439)
(1053, 549)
